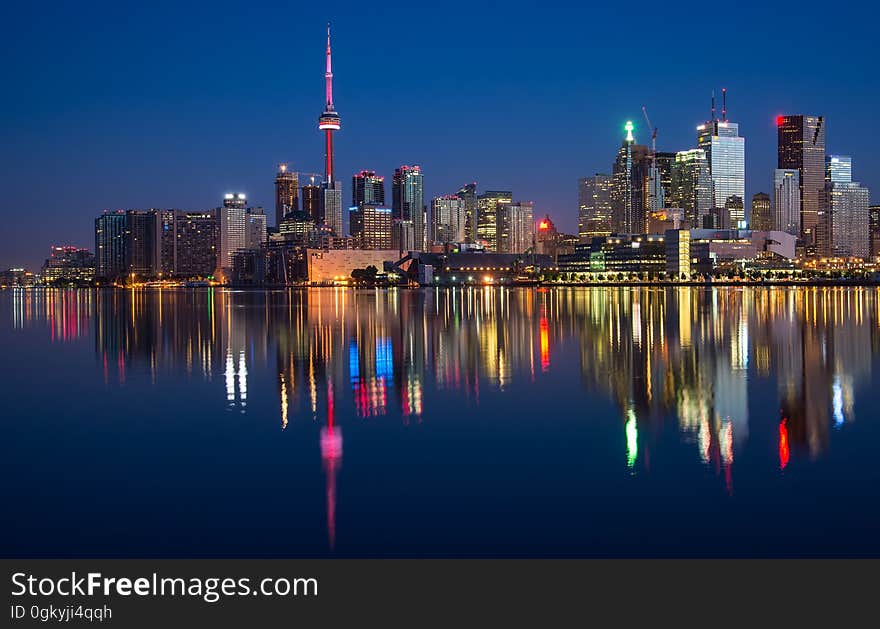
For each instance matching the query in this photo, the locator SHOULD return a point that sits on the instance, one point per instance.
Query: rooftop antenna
(713, 106)
(724, 104)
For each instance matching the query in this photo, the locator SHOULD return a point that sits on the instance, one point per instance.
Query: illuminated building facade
(487, 211)
(370, 226)
(874, 229)
(594, 206)
(838, 169)
(692, 186)
(68, 264)
(847, 205)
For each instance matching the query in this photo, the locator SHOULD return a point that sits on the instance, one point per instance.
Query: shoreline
(622, 284)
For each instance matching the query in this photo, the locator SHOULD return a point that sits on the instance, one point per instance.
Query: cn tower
(331, 208)
(329, 120)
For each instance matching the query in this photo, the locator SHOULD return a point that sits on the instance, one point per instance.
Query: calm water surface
(470, 422)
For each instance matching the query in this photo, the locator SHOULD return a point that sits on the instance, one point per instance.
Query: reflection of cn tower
(331, 455)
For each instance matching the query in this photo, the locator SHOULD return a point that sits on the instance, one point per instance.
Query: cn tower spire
(328, 76)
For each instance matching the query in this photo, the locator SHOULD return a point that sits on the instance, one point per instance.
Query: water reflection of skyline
(660, 355)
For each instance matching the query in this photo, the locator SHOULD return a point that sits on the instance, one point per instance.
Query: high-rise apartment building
(761, 214)
(801, 147)
(787, 201)
(448, 219)
(487, 212)
(367, 188)
(468, 194)
(286, 193)
(408, 203)
(515, 230)
(370, 226)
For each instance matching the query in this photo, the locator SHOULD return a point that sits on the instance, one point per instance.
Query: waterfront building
(846, 205)
(874, 229)
(68, 264)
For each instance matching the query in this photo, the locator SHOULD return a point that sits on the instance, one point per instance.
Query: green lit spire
(629, 126)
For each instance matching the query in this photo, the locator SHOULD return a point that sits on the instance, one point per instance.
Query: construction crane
(654, 183)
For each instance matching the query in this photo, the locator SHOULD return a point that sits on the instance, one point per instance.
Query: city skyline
(186, 172)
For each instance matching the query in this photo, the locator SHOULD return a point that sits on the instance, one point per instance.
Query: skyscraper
(761, 215)
(487, 206)
(312, 202)
(838, 169)
(367, 187)
(787, 201)
(629, 196)
(468, 194)
(801, 147)
(847, 204)
(197, 241)
(110, 230)
(594, 206)
(725, 152)
(286, 193)
(241, 228)
(142, 243)
(329, 122)
(408, 203)
(448, 219)
(692, 186)
(515, 227)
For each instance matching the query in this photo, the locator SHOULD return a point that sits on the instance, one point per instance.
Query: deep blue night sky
(159, 105)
